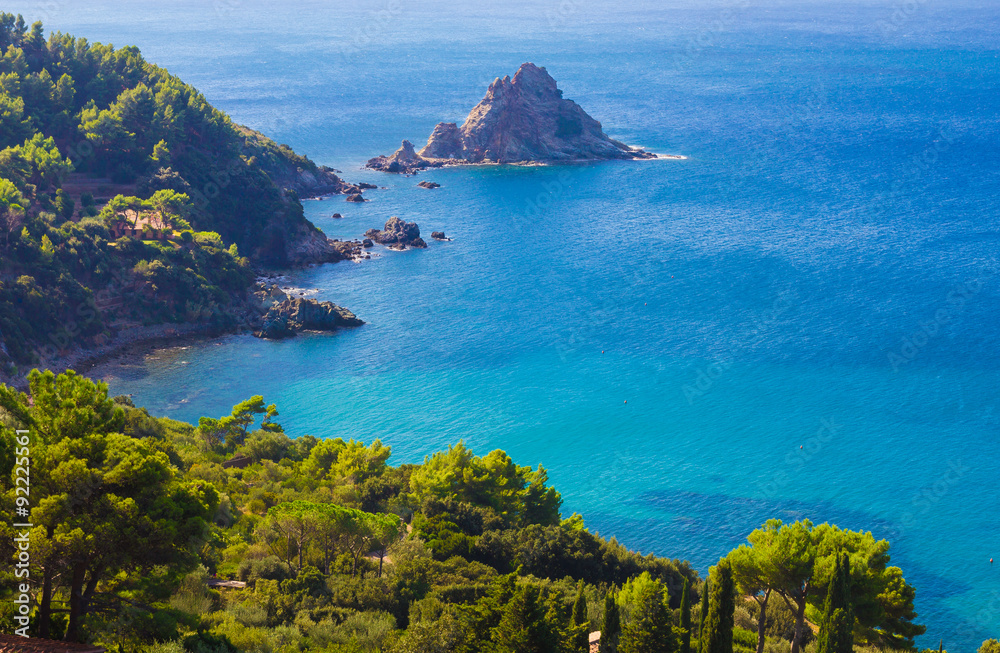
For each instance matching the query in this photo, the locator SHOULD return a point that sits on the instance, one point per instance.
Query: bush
(364, 631)
(208, 643)
(270, 568)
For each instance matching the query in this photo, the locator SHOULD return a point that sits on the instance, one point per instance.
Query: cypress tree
(686, 616)
(612, 625)
(836, 629)
(703, 613)
(581, 638)
(717, 631)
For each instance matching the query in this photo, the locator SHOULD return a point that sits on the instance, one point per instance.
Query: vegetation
(125, 196)
(137, 518)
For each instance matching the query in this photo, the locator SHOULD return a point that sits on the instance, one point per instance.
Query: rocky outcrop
(520, 120)
(404, 160)
(429, 184)
(439, 235)
(285, 316)
(310, 245)
(397, 234)
(446, 142)
(356, 197)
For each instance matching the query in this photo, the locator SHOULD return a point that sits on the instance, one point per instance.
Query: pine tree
(523, 626)
(649, 628)
(836, 630)
(686, 616)
(581, 637)
(612, 626)
(717, 629)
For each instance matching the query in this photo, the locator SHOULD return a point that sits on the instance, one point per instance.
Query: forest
(155, 535)
(126, 198)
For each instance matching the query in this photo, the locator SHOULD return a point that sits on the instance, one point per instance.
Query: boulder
(356, 197)
(336, 216)
(367, 242)
(439, 235)
(397, 234)
(429, 184)
(295, 314)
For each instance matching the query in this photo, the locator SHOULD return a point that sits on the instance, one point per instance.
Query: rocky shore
(267, 312)
(284, 316)
(523, 119)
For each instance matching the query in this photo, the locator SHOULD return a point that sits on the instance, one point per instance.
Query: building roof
(15, 644)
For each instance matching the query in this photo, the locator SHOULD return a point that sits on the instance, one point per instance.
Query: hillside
(127, 200)
(234, 536)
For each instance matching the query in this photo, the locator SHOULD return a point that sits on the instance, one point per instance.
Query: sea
(799, 320)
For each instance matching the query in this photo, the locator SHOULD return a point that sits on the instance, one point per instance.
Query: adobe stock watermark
(955, 302)
(707, 37)
(226, 7)
(559, 15)
(371, 30)
(984, 620)
(919, 164)
(22, 539)
(901, 14)
(552, 191)
(797, 459)
(929, 496)
(706, 376)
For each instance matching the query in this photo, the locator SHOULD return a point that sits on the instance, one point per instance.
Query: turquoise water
(819, 273)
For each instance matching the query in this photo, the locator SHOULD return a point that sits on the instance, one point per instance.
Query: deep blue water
(837, 210)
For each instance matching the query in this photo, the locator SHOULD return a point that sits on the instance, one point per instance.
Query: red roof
(15, 644)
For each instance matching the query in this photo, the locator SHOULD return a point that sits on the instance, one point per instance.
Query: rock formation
(524, 119)
(285, 316)
(439, 235)
(429, 184)
(397, 234)
(310, 245)
(404, 160)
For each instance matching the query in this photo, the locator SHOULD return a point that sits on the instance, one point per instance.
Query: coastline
(435, 164)
(128, 345)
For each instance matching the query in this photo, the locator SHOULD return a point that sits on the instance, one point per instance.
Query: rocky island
(523, 119)
(397, 234)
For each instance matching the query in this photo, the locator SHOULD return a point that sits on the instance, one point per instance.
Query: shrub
(270, 568)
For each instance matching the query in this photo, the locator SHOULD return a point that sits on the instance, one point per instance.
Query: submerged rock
(397, 234)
